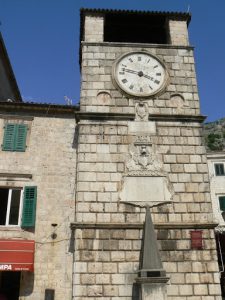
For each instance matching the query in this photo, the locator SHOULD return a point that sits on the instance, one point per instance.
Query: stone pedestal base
(152, 288)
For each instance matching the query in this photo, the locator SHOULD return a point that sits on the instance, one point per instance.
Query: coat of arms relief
(143, 160)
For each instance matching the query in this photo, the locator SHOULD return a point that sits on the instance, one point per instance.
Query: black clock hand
(149, 77)
(140, 73)
(130, 71)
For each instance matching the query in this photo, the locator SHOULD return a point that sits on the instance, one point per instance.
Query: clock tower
(143, 223)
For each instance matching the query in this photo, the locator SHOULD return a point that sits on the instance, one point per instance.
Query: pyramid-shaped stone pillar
(151, 277)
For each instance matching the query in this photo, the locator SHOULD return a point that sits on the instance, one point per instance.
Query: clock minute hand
(130, 71)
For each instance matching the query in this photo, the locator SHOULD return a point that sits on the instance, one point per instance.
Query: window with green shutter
(222, 203)
(14, 137)
(29, 206)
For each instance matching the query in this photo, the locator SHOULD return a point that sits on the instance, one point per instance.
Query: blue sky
(42, 39)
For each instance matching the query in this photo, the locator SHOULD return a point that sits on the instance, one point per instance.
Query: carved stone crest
(143, 161)
(141, 111)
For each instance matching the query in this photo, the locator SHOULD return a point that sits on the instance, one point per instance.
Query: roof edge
(184, 15)
(46, 108)
(10, 73)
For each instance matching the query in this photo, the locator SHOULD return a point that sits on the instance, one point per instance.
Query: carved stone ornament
(143, 161)
(145, 182)
(178, 102)
(141, 111)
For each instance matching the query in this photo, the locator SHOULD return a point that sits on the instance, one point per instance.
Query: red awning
(16, 255)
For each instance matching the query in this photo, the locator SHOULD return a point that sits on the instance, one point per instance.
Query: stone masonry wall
(180, 96)
(94, 28)
(50, 159)
(107, 259)
(178, 32)
(108, 232)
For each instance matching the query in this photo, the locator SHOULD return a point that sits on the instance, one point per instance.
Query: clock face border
(134, 94)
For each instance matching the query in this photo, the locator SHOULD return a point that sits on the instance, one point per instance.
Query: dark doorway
(10, 285)
(220, 243)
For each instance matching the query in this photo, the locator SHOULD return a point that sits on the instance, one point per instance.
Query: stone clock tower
(143, 223)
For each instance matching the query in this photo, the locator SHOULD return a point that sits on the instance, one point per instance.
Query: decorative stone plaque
(142, 191)
(145, 182)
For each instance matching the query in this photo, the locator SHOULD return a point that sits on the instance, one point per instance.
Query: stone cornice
(15, 175)
(31, 109)
(139, 45)
(107, 226)
(130, 117)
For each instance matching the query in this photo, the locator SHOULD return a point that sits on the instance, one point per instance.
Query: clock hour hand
(148, 77)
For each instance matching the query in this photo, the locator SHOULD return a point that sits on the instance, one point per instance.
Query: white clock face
(140, 74)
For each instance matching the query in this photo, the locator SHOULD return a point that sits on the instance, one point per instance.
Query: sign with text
(17, 255)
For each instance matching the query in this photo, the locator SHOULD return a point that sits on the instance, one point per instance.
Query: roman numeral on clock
(131, 87)
(124, 80)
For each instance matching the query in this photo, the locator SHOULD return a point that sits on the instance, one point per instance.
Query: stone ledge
(16, 117)
(78, 225)
(141, 45)
(128, 117)
(150, 280)
(14, 176)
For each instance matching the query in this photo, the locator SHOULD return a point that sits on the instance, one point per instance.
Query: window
(222, 203)
(219, 169)
(10, 206)
(16, 203)
(222, 206)
(14, 137)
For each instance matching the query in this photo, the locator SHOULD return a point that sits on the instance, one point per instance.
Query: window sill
(10, 228)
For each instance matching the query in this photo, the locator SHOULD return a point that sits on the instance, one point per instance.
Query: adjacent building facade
(85, 187)
(216, 164)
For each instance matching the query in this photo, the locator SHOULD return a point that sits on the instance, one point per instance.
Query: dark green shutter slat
(9, 137)
(222, 203)
(20, 139)
(29, 206)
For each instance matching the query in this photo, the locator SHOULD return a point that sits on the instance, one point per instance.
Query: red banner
(17, 255)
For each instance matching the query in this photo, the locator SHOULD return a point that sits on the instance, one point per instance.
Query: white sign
(6, 267)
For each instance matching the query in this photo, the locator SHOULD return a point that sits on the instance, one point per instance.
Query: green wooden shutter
(9, 137)
(20, 138)
(222, 203)
(29, 206)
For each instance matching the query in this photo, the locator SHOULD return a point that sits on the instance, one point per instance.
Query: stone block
(94, 291)
(177, 279)
(200, 289)
(110, 290)
(186, 290)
